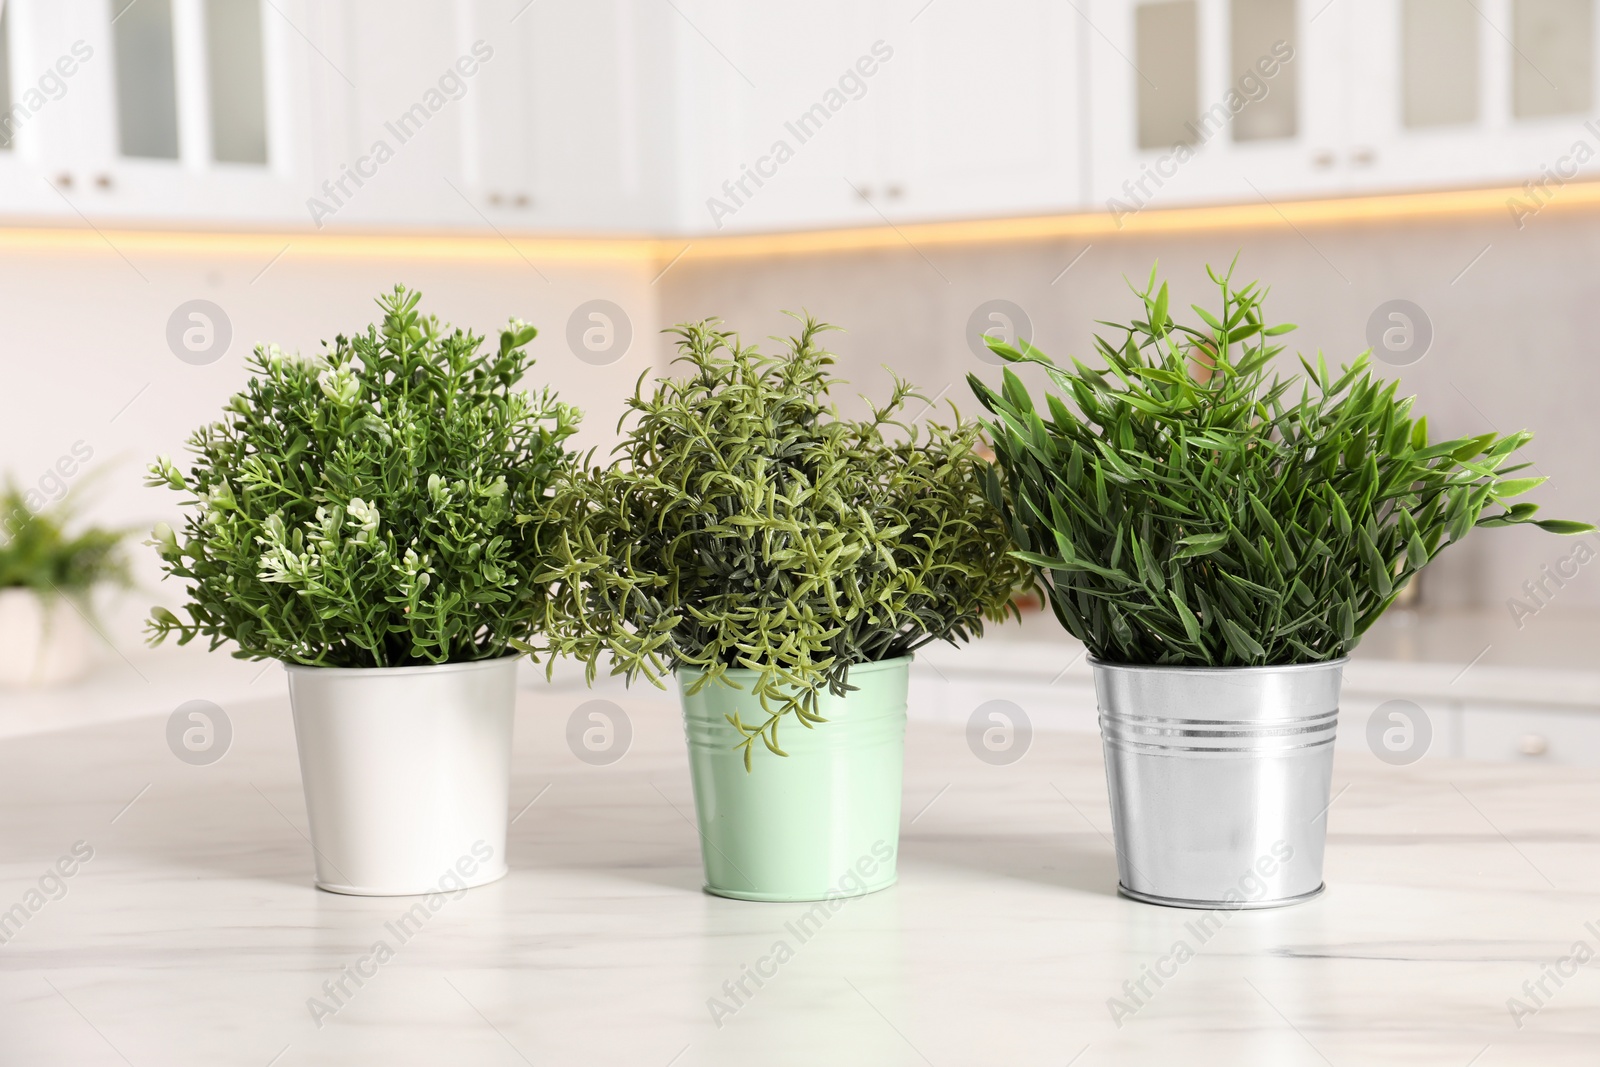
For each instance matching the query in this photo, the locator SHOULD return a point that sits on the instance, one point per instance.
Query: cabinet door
(498, 136)
(394, 156)
(242, 152)
(155, 109)
(848, 113)
(984, 115)
(1532, 735)
(776, 121)
(1215, 100)
(1460, 94)
(569, 124)
(600, 74)
(38, 130)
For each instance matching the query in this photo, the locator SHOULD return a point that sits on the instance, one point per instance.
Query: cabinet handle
(495, 199)
(523, 200)
(895, 192)
(64, 180)
(1533, 745)
(1322, 160)
(864, 192)
(1363, 157)
(103, 182)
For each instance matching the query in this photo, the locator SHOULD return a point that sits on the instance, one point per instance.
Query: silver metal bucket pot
(1219, 780)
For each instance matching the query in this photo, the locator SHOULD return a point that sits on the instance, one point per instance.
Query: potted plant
(784, 563)
(373, 517)
(47, 579)
(1220, 539)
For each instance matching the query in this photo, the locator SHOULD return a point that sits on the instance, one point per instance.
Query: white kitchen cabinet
(506, 114)
(1379, 95)
(775, 119)
(29, 141)
(1472, 94)
(166, 109)
(240, 151)
(710, 116)
(1198, 101)
(499, 134)
(360, 113)
(985, 115)
(396, 111)
(603, 115)
(852, 113)
(1531, 735)
(1534, 730)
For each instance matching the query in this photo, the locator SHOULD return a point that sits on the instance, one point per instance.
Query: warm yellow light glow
(1101, 224)
(658, 251)
(454, 246)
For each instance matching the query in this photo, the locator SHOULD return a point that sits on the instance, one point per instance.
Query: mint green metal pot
(822, 822)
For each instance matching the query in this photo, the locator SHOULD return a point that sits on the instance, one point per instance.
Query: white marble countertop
(193, 935)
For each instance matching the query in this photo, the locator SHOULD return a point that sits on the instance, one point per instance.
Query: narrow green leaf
(1199, 545)
(1243, 645)
(1507, 488)
(1563, 526)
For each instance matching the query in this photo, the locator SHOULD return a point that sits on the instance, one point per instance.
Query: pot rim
(1177, 668)
(871, 667)
(394, 672)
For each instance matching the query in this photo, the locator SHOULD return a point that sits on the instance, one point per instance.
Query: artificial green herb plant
(37, 552)
(1180, 506)
(377, 505)
(747, 525)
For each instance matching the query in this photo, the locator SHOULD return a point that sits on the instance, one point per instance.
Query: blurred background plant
(38, 551)
(49, 573)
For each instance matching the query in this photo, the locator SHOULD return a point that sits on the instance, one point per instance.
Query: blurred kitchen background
(181, 180)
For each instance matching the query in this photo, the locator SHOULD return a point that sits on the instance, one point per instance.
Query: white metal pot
(407, 773)
(43, 640)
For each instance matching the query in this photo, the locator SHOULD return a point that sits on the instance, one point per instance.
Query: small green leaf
(1199, 545)
(1563, 526)
(1243, 645)
(1416, 552)
(1191, 625)
(1507, 488)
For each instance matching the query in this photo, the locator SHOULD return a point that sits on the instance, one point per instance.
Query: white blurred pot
(407, 773)
(43, 640)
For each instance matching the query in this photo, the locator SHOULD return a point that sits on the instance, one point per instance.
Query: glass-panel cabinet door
(1475, 92)
(19, 178)
(146, 79)
(203, 108)
(156, 108)
(1213, 100)
(8, 124)
(236, 82)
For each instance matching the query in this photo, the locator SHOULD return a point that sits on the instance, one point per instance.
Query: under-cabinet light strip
(534, 249)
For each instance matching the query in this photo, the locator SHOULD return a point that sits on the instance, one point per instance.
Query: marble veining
(193, 936)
